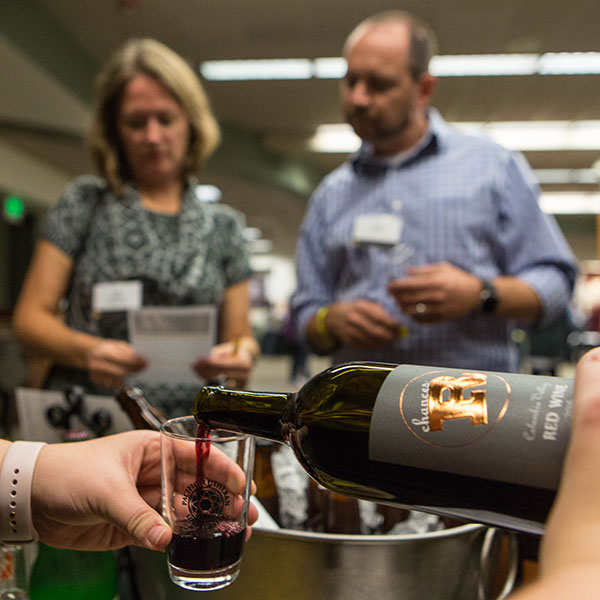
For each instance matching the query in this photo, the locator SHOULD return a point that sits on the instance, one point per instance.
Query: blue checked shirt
(462, 199)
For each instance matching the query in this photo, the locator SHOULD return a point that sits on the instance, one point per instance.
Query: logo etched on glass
(205, 503)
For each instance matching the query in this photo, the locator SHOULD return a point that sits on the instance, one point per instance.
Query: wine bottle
(266, 487)
(141, 414)
(474, 445)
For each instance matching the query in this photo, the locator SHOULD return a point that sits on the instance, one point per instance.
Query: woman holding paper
(139, 236)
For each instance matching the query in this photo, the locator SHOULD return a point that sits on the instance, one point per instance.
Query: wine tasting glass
(206, 479)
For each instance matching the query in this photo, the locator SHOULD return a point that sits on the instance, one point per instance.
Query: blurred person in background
(152, 130)
(428, 245)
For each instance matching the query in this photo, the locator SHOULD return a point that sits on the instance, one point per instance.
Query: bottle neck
(263, 414)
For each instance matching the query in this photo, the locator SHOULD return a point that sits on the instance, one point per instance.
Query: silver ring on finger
(420, 308)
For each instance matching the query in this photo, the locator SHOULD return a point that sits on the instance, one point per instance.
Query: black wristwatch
(488, 297)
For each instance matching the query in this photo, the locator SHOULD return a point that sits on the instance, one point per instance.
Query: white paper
(171, 339)
(112, 296)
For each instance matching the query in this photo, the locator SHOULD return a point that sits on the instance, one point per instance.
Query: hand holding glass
(206, 479)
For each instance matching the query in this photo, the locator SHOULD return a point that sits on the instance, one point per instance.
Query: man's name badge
(385, 229)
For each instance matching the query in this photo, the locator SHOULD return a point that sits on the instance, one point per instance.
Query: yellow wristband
(321, 328)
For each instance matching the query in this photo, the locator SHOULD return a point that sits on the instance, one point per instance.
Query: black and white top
(184, 259)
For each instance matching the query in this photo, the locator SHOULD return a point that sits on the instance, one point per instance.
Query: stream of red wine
(202, 451)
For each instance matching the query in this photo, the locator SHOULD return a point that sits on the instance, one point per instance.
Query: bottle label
(502, 426)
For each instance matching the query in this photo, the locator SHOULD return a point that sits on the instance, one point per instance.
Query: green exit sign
(14, 209)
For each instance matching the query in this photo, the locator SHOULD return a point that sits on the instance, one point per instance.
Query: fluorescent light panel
(239, 70)
(516, 135)
(468, 65)
(540, 135)
(570, 203)
(483, 65)
(567, 176)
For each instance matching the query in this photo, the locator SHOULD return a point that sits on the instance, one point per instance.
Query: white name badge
(377, 229)
(113, 296)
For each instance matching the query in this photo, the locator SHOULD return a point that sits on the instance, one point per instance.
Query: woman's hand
(104, 493)
(109, 362)
(231, 361)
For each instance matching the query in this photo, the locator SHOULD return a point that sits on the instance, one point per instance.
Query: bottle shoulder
(342, 392)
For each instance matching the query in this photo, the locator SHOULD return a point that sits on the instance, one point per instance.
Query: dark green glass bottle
(73, 575)
(481, 446)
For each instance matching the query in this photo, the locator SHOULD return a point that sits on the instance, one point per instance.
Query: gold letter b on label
(457, 406)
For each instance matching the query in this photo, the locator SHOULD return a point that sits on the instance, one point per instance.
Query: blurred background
(527, 73)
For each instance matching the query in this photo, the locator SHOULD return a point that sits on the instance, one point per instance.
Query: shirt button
(397, 204)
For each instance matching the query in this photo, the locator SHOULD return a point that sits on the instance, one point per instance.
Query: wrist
(488, 297)
(84, 345)
(16, 476)
(249, 345)
(326, 339)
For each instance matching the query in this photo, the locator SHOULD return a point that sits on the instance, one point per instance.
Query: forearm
(47, 334)
(517, 299)
(37, 321)
(234, 320)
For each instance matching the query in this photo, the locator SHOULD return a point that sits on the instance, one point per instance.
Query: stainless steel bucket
(461, 563)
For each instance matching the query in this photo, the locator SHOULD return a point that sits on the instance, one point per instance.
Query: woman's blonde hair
(149, 57)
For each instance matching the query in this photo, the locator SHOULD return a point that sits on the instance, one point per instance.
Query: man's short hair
(423, 41)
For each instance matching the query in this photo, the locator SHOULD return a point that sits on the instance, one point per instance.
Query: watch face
(488, 297)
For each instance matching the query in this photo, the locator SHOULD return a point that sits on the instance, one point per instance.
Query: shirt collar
(364, 162)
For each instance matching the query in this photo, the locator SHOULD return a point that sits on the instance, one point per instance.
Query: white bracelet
(16, 475)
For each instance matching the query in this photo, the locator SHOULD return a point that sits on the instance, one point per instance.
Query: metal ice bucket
(461, 563)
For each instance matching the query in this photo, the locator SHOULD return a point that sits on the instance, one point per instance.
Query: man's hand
(362, 323)
(436, 292)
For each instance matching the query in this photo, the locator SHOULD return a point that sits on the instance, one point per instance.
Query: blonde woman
(140, 221)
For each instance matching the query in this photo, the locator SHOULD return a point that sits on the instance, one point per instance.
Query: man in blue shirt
(428, 246)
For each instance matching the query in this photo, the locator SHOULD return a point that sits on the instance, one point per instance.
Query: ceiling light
(238, 70)
(332, 138)
(261, 246)
(330, 68)
(251, 234)
(515, 135)
(540, 135)
(463, 65)
(567, 176)
(483, 64)
(569, 63)
(208, 193)
(570, 203)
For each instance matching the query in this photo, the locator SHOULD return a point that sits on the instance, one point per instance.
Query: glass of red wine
(206, 480)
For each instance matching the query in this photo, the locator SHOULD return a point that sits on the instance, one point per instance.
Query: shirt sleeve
(236, 263)
(315, 276)
(534, 249)
(67, 223)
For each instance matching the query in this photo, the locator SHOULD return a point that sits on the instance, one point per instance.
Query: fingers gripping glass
(206, 478)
